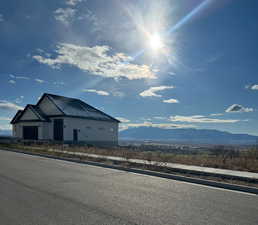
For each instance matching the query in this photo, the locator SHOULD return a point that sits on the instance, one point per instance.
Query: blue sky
(167, 64)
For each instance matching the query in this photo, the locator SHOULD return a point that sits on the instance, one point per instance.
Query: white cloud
(73, 2)
(5, 105)
(123, 120)
(151, 92)
(59, 83)
(159, 118)
(171, 100)
(5, 119)
(71, 13)
(22, 77)
(145, 119)
(40, 81)
(14, 78)
(5, 127)
(19, 77)
(158, 125)
(171, 73)
(96, 61)
(238, 108)
(200, 119)
(65, 15)
(119, 94)
(254, 87)
(12, 81)
(99, 92)
(1, 18)
(97, 24)
(19, 99)
(216, 114)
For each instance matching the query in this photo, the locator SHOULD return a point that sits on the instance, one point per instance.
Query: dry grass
(245, 160)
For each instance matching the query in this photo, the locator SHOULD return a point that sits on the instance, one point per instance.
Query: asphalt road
(37, 191)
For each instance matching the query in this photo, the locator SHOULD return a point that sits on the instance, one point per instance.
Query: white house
(65, 119)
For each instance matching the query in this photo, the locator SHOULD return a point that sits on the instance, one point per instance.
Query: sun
(155, 42)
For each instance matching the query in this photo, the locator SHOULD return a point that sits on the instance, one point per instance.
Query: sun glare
(155, 42)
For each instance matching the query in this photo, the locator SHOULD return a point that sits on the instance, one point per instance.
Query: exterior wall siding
(29, 115)
(18, 129)
(91, 131)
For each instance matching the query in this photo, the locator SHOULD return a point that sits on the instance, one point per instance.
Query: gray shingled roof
(68, 107)
(77, 108)
(42, 116)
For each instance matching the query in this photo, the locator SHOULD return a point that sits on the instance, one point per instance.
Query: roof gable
(17, 115)
(30, 113)
(77, 108)
(51, 105)
(48, 106)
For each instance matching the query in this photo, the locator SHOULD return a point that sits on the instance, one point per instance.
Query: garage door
(30, 132)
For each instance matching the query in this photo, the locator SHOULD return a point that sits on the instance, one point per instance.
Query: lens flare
(155, 42)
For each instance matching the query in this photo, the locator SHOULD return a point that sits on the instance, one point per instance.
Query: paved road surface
(39, 191)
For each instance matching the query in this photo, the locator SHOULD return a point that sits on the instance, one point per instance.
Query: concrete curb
(216, 184)
(166, 166)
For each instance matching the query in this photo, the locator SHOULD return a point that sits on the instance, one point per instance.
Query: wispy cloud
(68, 14)
(19, 99)
(151, 92)
(5, 105)
(119, 94)
(123, 120)
(5, 119)
(59, 83)
(72, 2)
(98, 92)
(65, 15)
(171, 73)
(19, 77)
(171, 100)
(236, 108)
(96, 23)
(14, 78)
(200, 119)
(214, 58)
(40, 81)
(216, 114)
(157, 125)
(12, 81)
(96, 61)
(160, 118)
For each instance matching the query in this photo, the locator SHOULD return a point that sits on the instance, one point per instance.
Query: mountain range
(5, 132)
(187, 135)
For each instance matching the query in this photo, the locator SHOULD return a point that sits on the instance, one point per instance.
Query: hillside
(202, 136)
(5, 132)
